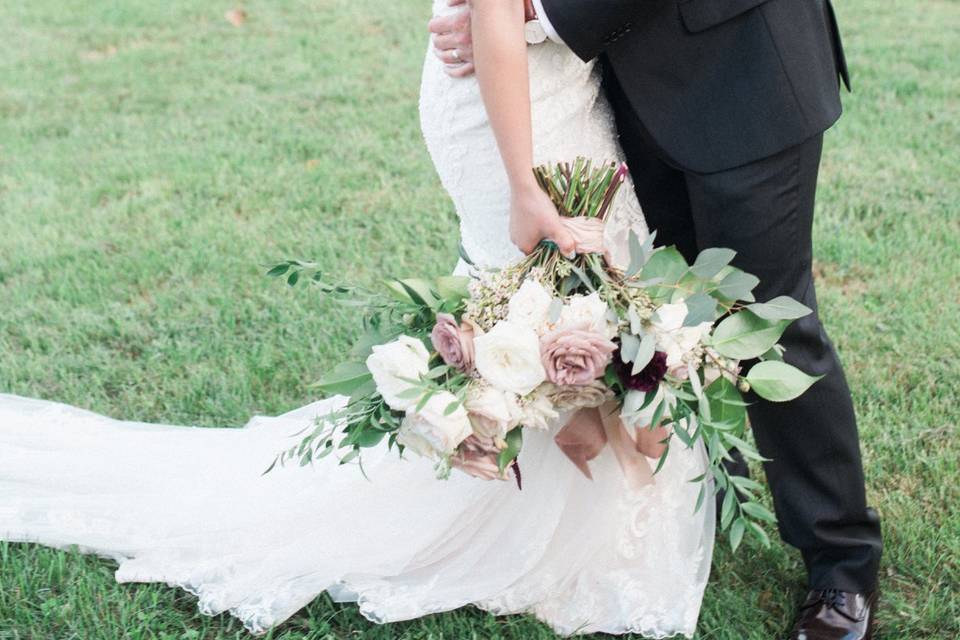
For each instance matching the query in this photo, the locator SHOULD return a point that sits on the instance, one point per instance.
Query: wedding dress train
(189, 506)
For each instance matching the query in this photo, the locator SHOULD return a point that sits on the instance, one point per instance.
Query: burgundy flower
(648, 378)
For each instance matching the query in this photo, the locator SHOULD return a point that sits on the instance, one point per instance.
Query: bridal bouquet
(622, 346)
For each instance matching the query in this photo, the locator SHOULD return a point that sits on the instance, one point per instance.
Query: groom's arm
(588, 26)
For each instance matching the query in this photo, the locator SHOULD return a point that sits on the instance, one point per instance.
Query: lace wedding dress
(189, 506)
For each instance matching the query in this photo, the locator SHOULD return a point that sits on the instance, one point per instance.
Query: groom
(721, 107)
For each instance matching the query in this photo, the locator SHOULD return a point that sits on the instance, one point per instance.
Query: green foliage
(509, 454)
(744, 335)
(139, 189)
(779, 381)
(345, 378)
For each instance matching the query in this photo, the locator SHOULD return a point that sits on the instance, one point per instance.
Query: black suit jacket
(718, 83)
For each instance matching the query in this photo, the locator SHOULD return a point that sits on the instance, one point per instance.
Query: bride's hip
(563, 96)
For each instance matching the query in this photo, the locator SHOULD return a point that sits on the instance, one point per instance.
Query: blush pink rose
(453, 342)
(477, 456)
(575, 356)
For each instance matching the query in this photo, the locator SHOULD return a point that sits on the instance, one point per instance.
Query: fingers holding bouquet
(577, 229)
(534, 218)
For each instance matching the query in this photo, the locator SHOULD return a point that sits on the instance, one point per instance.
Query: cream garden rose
(537, 410)
(508, 357)
(588, 396)
(530, 305)
(431, 433)
(589, 313)
(405, 357)
(492, 412)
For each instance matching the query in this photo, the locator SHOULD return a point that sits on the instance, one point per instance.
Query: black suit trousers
(764, 211)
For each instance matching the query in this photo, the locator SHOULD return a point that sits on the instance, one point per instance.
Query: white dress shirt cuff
(545, 22)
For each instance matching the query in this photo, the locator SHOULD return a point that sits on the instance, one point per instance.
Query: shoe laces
(833, 598)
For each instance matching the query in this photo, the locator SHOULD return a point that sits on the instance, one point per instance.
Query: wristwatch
(533, 30)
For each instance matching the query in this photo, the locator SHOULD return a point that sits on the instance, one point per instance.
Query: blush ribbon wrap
(589, 430)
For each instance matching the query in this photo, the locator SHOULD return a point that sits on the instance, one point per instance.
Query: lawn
(153, 157)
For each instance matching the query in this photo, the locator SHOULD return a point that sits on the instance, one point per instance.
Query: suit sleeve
(590, 26)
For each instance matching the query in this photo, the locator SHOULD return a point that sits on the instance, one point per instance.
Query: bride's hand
(534, 217)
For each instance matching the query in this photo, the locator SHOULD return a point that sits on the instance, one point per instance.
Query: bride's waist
(552, 67)
(560, 89)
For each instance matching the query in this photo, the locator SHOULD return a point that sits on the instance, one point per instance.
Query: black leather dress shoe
(831, 614)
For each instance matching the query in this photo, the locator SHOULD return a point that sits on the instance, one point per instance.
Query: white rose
(530, 305)
(405, 357)
(432, 434)
(673, 338)
(587, 312)
(492, 412)
(537, 410)
(508, 357)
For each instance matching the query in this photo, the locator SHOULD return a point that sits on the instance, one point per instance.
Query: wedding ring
(456, 55)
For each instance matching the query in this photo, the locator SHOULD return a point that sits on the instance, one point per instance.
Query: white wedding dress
(189, 506)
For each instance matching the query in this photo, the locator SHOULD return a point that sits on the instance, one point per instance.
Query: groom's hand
(452, 42)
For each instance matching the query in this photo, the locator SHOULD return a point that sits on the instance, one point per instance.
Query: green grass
(153, 157)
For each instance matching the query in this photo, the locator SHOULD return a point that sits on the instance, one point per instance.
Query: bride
(189, 506)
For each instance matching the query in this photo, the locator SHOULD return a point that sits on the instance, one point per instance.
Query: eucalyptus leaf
(701, 307)
(778, 381)
(726, 405)
(629, 346)
(584, 278)
(774, 353)
(636, 322)
(666, 263)
(781, 308)
(711, 261)
(744, 336)
(637, 257)
(738, 285)
(645, 353)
